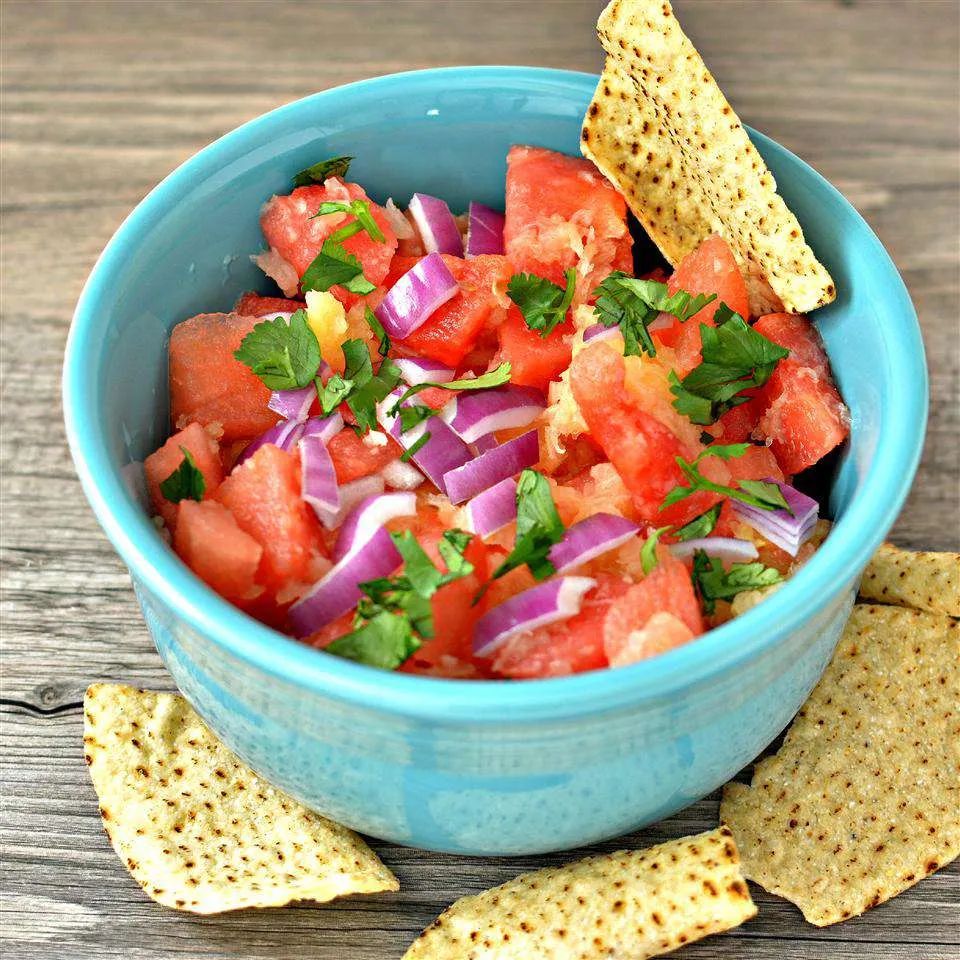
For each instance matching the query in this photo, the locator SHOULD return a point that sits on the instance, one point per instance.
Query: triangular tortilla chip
(922, 580)
(630, 905)
(662, 131)
(863, 798)
(200, 831)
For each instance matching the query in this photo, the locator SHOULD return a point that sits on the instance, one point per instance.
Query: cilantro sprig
(542, 303)
(361, 210)
(648, 552)
(383, 341)
(334, 265)
(757, 493)
(187, 482)
(632, 305)
(359, 386)
(333, 167)
(395, 616)
(735, 358)
(492, 378)
(712, 582)
(285, 355)
(539, 527)
(700, 526)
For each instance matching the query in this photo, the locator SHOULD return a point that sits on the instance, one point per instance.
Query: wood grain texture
(101, 100)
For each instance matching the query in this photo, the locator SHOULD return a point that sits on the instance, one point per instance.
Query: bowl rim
(843, 556)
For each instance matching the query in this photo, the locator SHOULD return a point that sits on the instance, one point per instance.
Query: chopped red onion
(399, 224)
(724, 548)
(318, 477)
(284, 435)
(437, 226)
(484, 231)
(590, 538)
(326, 428)
(493, 509)
(417, 370)
(599, 332)
(425, 286)
(293, 404)
(662, 322)
(785, 530)
(505, 460)
(472, 414)
(350, 495)
(367, 517)
(443, 452)
(546, 603)
(338, 591)
(487, 442)
(402, 476)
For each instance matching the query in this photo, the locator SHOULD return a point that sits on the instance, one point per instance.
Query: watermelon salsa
(478, 446)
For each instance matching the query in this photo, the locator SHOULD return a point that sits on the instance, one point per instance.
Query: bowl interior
(186, 249)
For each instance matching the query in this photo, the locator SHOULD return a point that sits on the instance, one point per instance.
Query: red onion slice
(505, 460)
(369, 516)
(338, 591)
(318, 477)
(781, 528)
(399, 224)
(484, 231)
(326, 428)
(493, 509)
(437, 226)
(473, 414)
(487, 442)
(284, 435)
(350, 495)
(402, 476)
(546, 603)
(411, 300)
(590, 538)
(599, 332)
(729, 549)
(417, 370)
(293, 404)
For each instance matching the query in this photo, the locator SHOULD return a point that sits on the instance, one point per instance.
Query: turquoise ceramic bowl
(492, 768)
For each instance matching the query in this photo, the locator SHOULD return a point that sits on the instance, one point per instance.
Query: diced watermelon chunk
(534, 360)
(252, 304)
(757, 463)
(208, 385)
(291, 228)
(657, 614)
(640, 447)
(354, 458)
(571, 646)
(213, 546)
(160, 464)
(453, 329)
(711, 268)
(263, 494)
(556, 204)
(803, 414)
(399, 265)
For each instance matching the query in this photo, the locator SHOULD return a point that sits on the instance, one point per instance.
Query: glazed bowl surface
(474, 767)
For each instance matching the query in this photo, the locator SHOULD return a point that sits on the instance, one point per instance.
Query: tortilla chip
(924, 581)
(863, 798)
(630, 904)
(661, 130)
(200, 831)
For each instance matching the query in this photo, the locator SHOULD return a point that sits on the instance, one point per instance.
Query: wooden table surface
(101, 100)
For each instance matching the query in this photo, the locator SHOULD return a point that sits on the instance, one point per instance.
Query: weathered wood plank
(101, 100)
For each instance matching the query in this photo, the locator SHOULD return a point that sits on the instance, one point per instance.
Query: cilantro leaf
(359, 209)
(385, 641)
(186, 482)
(396, 615)
(701, 526)
(411, 451)
(414, 415)
(539, 527)
(735, 358)
(543, 304)
(358, 385)
(383, 341)
(757, 493)
(334, 167)
(648, 552)
(713, 583)
(492, 378)
(335, 266)
(284, 355)
(633, 305)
